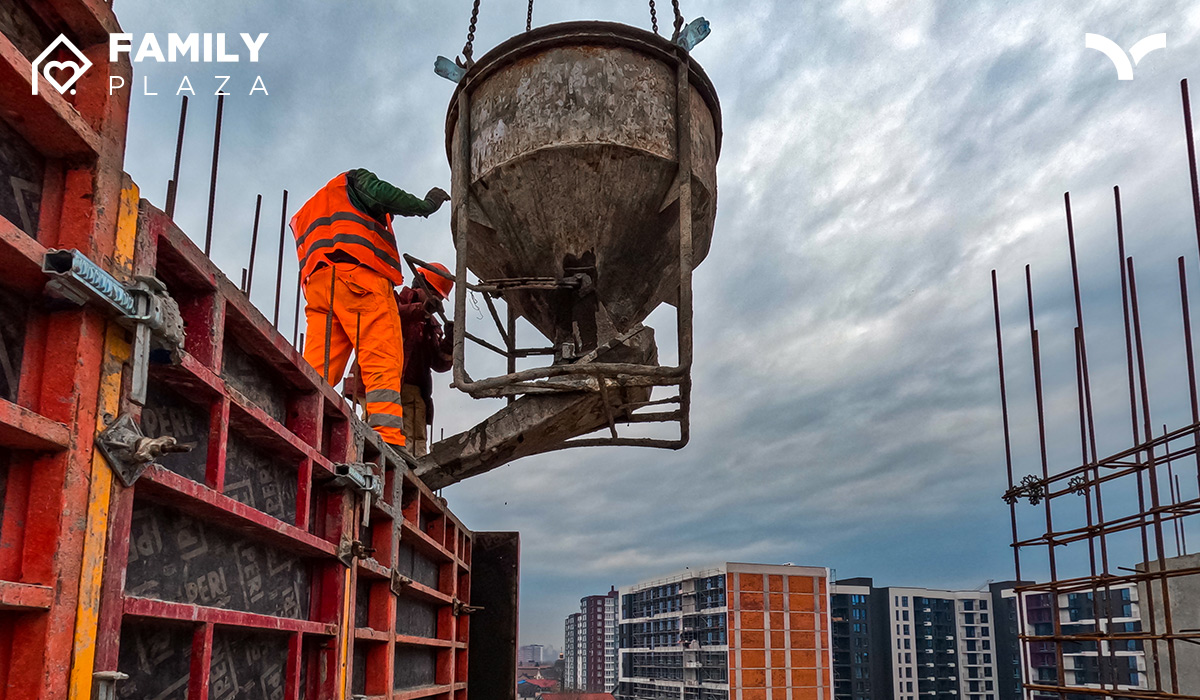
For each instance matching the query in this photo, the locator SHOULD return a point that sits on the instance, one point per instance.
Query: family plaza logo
(189, 48)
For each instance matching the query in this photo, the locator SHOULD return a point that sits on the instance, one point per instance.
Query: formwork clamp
(128, 451)
(364, 479)
(399, 582)
(459, 608)
(143, 307)
(350, 549)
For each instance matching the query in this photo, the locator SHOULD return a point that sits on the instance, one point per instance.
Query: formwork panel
(157, 658)
(247, 540)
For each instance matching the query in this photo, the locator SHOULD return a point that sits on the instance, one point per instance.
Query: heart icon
(75, 68)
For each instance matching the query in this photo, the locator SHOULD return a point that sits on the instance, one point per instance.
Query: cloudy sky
(880, 159)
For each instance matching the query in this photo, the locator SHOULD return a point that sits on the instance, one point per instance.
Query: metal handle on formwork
(143, 307)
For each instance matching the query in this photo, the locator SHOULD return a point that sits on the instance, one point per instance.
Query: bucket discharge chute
(574, 148)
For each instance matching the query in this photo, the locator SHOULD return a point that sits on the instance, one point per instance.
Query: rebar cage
(1114, 630)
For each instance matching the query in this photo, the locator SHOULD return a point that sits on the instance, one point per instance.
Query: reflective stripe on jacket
(330, 222)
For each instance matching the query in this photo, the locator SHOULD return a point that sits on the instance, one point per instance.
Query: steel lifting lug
(128, 451)
(364, 479)
(459, 608)
(399, 581)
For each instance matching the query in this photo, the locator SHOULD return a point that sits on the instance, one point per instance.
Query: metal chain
(469, 47)
(653, 17)
(678, 19)
(529, 17)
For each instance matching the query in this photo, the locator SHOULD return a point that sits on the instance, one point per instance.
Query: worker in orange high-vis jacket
(349, 262)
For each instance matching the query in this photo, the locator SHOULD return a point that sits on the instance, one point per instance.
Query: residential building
(902, 643)
(1119, 664)
(574, 661)
(590, 645)
(1007, 629)
(732, 632)
(853, 655)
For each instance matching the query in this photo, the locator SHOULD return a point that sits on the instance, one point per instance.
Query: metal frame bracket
(128, 451)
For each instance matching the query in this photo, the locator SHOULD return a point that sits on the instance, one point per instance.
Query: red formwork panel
(231, 570)
(61, 184)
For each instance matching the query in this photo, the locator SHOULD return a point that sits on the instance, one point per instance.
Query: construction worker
(426, 350)
(350, 263)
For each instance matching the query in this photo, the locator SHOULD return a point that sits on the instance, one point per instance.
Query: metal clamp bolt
(128, 451)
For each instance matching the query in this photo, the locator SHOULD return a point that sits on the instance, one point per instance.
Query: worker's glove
(436, 197)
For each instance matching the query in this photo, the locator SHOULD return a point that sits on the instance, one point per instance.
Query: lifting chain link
(653, 17)
(529, 17)
(678, 20)
(469, 47)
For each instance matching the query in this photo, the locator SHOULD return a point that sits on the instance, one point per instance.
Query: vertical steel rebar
(1012, 507)
(1171, 481)
(212, 184)
(1041, 419)
(253, 243)
(1191, 359)
(173, 184)
(279, 265)
(1191, 149)
(1156, 515)
(1125, 313)
(296, 315)
(329, 320)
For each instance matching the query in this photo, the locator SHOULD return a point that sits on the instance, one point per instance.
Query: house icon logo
(54, 71)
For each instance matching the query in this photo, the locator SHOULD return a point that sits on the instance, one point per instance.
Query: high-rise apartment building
(893, 643)
(574, 661)
(590, 645)
(1109, 665)
(733, 632)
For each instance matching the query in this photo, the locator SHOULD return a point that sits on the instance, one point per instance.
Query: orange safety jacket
(330, 222)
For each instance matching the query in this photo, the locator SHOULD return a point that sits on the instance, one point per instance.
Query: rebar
(212, 182)
(173, 184)
(279, 264)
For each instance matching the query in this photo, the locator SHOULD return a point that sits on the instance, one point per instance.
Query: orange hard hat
(440, 284)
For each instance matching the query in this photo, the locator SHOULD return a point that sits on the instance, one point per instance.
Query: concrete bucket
(573, 166)
(565, 151)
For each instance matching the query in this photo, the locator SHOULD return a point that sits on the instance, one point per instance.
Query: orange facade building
(733, 632)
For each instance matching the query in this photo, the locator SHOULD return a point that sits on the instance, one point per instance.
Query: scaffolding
(1086, 642)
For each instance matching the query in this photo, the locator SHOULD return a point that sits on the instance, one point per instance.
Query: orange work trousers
(356, 308)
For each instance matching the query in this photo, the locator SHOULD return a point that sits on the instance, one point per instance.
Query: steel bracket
(349, 550)
(364, 479)
(128, 451)
(143, 307)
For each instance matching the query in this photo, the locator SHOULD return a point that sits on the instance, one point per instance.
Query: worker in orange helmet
(350, 264)
(426, 349)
